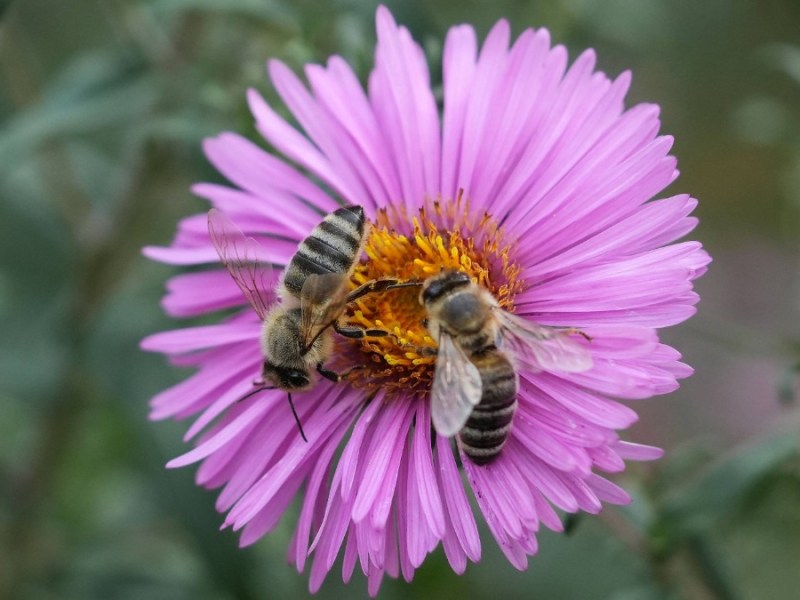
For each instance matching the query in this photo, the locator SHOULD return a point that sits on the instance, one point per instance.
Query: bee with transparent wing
(474, 390)
(300, 312)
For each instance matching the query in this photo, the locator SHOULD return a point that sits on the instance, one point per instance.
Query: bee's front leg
(356, 333)
(333, 376)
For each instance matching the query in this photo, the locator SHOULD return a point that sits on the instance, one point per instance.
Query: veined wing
(456, 388)
(546, 348)
(322, 300)
(245, 260)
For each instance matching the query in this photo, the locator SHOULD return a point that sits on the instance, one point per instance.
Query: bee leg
(328, 374)
(333, 376)
(351, 331)
(379, 285)
(421, 350)
(573, 330)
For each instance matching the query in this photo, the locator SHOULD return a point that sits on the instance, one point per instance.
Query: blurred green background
(104, 104)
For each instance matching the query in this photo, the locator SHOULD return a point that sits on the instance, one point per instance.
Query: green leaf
(91, 96)
(270, 10)
(695, 508)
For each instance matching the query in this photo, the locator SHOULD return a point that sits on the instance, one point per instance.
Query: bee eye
(297, 379)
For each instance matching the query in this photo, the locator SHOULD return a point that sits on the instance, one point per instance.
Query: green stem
(706, 569)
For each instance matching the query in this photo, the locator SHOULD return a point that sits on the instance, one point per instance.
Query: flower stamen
(442, 235)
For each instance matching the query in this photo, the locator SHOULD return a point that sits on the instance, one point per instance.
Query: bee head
(439, 285)
(287, 378)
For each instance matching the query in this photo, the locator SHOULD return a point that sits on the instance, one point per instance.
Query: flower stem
(706, 570)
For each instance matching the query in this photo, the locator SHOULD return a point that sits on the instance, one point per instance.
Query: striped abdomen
(332, 247)
(488, 426)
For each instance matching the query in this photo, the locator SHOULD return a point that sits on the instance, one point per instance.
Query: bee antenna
(296, 418)
(254, 391)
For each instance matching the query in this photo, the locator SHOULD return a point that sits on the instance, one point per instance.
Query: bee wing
(547, 348)
(456, 388)
(322, 300)
(245, 260)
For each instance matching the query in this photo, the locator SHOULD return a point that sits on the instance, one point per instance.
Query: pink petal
(455, 501)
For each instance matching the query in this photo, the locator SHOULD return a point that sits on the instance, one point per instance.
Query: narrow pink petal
(350, 555)
(199, 389)
(196, 338)
(403, 102)
(270, 515)
(631, 451)
(362, 539)
(479, 490)
(384, 460)
(549, 449)
(593, 408)
(329, 540)
(182, 256)
(634, 281)
(391, 561)
(607, 491)
(264, 449)
(402, 514)
(291, 143)
(535, 165)
(382, 504)
(193, 294)
(250, 210)
(515, 101)
(337, 89)
(318, 429)
(248, 419)
(499, 484)
(538, 411)
(265, 176)
(312, 500)
(585, 497)
(455, 500)
(374, 580)
(458, 70)
(359, 439)
(626, 169)
(415, 523)
(662, 314)
(422, 460)
(545, 512)
(223, 402)
(490, 66)
(322, 130)
(533, 145)
(516, 555)
(452, 548)
(218, 468)
(639, 230)
(606, 459)
(543, 477)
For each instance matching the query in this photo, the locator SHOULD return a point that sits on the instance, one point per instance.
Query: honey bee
(300, 312)
(475, 383)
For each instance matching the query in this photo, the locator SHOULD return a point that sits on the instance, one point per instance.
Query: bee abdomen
(332, 247)
(486, 431)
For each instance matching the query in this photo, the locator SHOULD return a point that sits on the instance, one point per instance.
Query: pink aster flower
(534, 179)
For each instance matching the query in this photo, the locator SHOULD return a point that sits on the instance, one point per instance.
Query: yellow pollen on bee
(443, 236)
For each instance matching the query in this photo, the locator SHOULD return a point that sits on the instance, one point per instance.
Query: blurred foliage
(104, 104)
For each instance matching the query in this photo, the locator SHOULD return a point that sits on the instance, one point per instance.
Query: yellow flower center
(443, 236)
